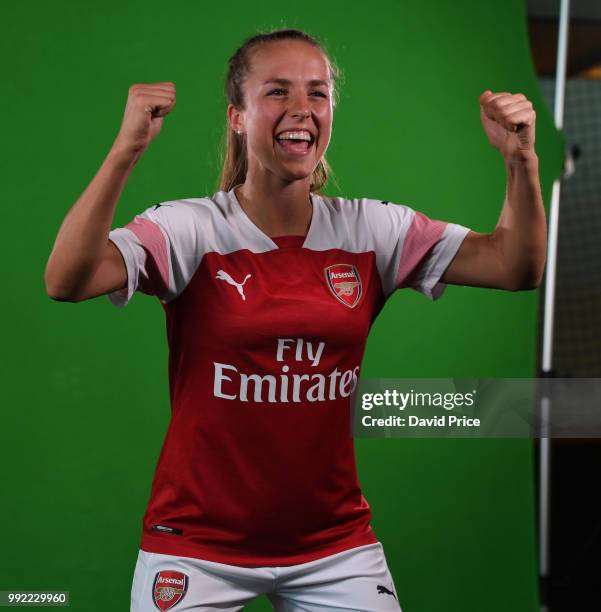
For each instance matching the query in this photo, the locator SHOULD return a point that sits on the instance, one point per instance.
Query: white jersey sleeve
(160, 247)
(412, 250)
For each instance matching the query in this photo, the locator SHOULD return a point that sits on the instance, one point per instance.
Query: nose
(300, 113)
(299, 107)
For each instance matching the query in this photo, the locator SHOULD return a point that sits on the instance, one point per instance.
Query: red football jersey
(266, 337)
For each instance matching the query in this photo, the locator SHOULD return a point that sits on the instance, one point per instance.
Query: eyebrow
(311, 83)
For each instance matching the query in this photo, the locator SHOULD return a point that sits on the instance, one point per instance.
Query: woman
(269, 289)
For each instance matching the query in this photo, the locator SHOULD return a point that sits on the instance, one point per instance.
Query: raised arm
(513, 256)
(83, 262)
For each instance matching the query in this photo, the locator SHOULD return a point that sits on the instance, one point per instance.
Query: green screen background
(85, 401)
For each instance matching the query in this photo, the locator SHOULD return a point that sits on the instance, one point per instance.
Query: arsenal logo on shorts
(345, 283)
(169, 588)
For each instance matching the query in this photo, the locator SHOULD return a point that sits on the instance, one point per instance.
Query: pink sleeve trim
(153, 240)
(423, 234)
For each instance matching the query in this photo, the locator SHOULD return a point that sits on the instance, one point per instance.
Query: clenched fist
(509, 122)
(147, 105)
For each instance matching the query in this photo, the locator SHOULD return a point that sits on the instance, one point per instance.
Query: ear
(235, 118)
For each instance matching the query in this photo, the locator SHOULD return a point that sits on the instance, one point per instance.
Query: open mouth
(296, 146)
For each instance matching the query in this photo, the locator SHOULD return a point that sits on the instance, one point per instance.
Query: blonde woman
(269, 289)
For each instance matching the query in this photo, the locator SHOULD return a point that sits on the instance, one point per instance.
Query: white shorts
(356, 579)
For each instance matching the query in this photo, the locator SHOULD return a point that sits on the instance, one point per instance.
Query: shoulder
(367, 205)
(370, 211)
(184, 222)
(184, 216)
(166, 210)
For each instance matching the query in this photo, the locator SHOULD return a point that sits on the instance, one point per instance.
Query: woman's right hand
(147, 105)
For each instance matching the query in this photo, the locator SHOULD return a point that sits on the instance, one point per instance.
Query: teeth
(302, 135)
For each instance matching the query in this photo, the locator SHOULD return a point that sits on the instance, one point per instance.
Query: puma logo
(383, 589)
(222, 275)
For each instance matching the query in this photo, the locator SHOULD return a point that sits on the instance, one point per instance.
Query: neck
(276, 207)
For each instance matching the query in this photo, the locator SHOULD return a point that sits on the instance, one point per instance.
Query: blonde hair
(233, 148)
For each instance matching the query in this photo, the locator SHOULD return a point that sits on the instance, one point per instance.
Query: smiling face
(288, 89)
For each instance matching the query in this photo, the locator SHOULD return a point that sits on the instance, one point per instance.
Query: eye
(319, 93)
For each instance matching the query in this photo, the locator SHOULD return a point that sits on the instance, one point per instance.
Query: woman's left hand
(509, 122)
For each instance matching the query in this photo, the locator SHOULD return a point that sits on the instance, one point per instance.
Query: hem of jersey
(121, 297)
(166, 547)
(434, 288)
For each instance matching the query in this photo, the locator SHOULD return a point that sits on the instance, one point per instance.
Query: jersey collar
(245, 219)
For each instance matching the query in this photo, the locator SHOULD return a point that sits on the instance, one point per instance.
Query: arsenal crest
(169, 588)
(345, 283)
